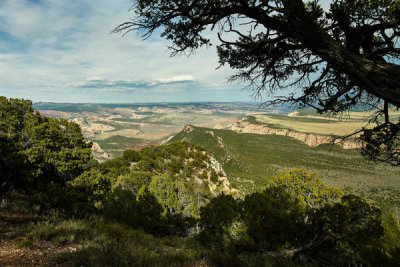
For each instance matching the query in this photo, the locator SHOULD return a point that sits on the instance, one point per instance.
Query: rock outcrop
(99, 153)
(188, 128)
(223, 184)
(311, 140)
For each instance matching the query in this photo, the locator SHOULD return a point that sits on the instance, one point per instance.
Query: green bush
(297, 211)
(307, 188)
(131, 155)
(214, 176)
(134, 180)
(142, 211)
(39, 155)
(219, 222)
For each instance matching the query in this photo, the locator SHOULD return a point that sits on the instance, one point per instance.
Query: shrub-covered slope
(250, 159)
(180, 175)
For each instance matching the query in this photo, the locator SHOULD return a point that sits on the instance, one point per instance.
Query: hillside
(181, 204)
(251, 124)
(250, 159)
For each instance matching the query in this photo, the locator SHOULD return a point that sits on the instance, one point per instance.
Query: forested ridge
(171, 205)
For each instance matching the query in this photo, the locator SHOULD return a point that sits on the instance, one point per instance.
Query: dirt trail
(11, 254)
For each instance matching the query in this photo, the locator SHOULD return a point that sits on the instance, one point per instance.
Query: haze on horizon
(62, 51)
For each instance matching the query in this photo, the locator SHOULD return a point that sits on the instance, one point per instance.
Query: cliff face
(309, 139)
(223, 184)
(99, 153)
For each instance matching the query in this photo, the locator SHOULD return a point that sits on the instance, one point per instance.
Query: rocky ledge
(311, 140)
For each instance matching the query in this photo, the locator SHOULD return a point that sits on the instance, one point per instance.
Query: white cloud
(180, 78)
(48, 45)
(101, 84)
(94, 79)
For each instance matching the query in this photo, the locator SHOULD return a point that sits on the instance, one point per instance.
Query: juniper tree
(39, 155)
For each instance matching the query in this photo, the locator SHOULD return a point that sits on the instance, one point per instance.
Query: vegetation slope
(250, 160)
(172, 205)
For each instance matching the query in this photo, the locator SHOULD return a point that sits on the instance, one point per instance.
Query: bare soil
(11, 254)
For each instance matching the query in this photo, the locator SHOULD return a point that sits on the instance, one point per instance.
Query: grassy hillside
(91, 242)
(116, 144)
(250, 160)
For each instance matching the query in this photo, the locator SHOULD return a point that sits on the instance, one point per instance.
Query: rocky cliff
(307, 138)
(99, 153)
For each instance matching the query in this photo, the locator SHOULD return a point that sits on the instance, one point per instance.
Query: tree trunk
(378, 78)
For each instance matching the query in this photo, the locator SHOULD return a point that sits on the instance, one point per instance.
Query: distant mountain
(221, 106)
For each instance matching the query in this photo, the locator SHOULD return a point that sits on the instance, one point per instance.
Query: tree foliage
(142, 211)
(176, 175)
(328, 230)
(332, 60)
(39, 155)
(307, 188)
(165, 190)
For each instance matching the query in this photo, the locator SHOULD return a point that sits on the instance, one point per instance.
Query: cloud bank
(63, 51)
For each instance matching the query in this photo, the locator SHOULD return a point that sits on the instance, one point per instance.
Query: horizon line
(130, 103)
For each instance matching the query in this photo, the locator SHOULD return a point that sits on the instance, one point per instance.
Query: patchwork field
(117, 127)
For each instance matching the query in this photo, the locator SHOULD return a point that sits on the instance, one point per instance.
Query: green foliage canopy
(296, 216)
(39, 154)
(307, 188)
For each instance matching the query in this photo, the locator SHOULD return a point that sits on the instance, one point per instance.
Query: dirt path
(11, 254)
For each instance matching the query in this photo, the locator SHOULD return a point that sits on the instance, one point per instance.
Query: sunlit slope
(308, 121)
(311, 125)
(346, 116)
(250, 160)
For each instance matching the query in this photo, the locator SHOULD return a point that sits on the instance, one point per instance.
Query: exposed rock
(92, 129)
(99, 153)
(210, 132)
(221, 144)
(308, 139)
(167, 140)
(217, 166)
(296, 114)
(218, 126)
(188, 128)
(223, 185)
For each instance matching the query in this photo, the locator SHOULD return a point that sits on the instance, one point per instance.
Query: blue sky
(62, 51)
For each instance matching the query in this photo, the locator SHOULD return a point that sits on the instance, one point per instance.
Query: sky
(63, 51)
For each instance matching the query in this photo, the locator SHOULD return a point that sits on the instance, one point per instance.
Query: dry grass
(347, 116)
(321, 128)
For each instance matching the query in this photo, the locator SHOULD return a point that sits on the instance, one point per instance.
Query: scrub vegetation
(251, 159)
(174, 205)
